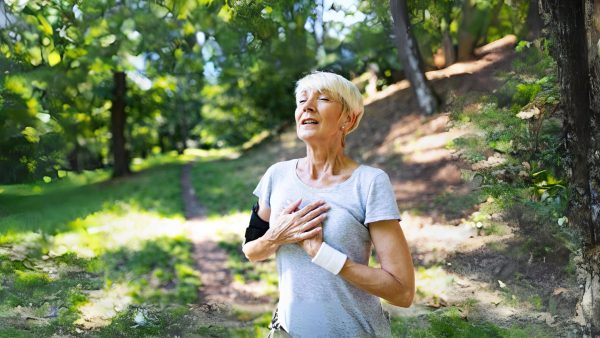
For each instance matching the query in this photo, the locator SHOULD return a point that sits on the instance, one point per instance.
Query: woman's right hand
(293, 225)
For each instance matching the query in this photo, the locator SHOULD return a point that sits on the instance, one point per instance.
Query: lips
(309, 121)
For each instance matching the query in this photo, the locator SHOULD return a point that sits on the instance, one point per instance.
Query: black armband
(257, 227)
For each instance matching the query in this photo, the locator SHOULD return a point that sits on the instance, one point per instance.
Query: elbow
(249, 255)
(404, 298)
(246, 253)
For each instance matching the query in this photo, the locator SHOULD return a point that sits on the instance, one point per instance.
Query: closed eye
(324, 98)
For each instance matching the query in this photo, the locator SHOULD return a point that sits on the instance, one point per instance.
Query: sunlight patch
(103, 305)
(433, 284)
(110, 231)
(215, 227)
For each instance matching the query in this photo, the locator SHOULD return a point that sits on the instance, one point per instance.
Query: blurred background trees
(205, 74)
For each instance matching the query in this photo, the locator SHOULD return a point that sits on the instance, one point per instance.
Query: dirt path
(218, 288)
(192, 208)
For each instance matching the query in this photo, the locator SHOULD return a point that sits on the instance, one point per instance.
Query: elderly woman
(320, 216)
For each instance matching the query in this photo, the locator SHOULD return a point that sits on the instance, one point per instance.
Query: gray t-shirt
(312, 301)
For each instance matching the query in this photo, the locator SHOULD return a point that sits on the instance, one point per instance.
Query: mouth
(309, 121)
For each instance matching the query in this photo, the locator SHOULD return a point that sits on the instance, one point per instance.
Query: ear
(350, 121)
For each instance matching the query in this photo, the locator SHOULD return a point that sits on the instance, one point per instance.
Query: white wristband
(330, 259)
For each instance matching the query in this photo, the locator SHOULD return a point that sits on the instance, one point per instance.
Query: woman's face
(318, 117)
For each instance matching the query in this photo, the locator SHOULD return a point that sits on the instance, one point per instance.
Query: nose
(309, 104)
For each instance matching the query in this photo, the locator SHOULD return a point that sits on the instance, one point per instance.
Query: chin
(304, 136)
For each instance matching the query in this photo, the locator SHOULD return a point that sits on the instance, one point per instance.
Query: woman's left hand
(313, 244)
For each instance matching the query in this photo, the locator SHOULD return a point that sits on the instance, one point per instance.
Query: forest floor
(489, 275)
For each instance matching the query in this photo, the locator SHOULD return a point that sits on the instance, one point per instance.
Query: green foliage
(30, 279)
(451, 323)
(205, 74)
(168, 107)
(517, 155)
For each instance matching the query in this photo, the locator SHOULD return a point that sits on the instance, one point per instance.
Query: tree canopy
(200, 73)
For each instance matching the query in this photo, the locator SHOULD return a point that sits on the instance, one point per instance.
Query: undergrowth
(516, 153)
(450, 323)
(67, 245)
(515, 161)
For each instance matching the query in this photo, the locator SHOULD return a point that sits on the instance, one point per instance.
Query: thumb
(292, 207)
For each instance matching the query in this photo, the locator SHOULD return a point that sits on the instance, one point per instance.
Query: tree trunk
(578, 73)
(490, 18)
(411, 58)
(591, 300)
(448, 46)
(474, 25)
(534, 21)
(467, 33)
(117, 119)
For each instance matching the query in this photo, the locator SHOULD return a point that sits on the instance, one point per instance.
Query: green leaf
(46, 27)
(31, 134)
(53, 58)
(35, 56)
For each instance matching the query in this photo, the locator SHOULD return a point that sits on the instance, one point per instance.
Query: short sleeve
(381, 200)
(263, 189)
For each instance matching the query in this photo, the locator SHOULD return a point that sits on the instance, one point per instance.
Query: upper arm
(264, 212)
(392, 251)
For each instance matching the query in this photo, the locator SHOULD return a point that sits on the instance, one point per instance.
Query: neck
(325, 160)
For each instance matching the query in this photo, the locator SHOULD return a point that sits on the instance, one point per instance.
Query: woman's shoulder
(281, 167)
(369, 172)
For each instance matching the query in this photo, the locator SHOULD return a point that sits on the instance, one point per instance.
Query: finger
(292, 207)
(309, 234)
(311, 215)
(309, 208)
(314, 222)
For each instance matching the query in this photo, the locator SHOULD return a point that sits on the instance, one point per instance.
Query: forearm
(259, 249)
(379, 282)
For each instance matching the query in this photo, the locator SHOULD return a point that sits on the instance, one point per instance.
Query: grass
(243, 270)
(56, 207)
(450, 323)
(225, 186)
(68, 246)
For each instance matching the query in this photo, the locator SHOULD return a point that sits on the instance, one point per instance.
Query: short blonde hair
(340, 88)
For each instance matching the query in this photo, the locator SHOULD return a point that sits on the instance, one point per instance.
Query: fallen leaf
(559, 291)
(527, 114)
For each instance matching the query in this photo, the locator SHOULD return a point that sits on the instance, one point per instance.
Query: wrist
(329, 259)
(271, 240)
(312, 251)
